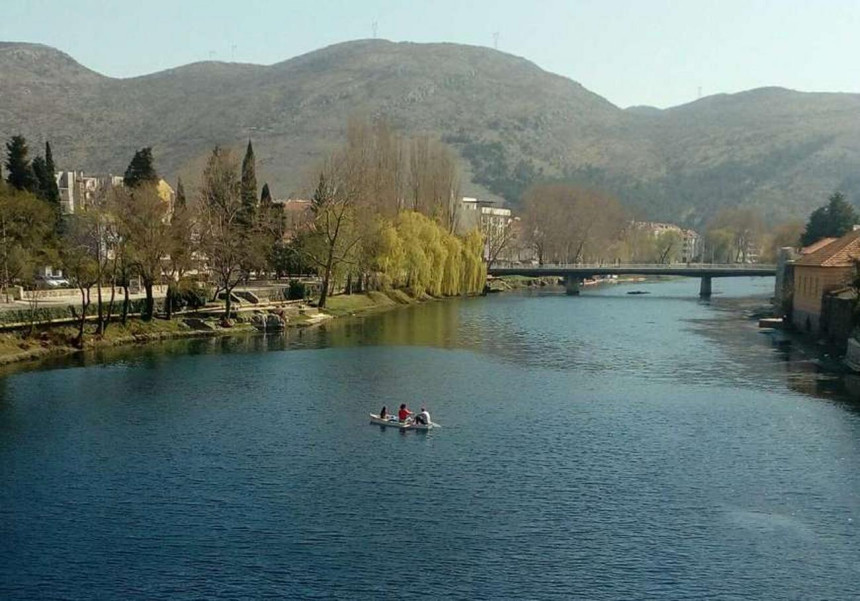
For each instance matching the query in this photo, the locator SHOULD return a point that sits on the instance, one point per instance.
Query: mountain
(511, 122)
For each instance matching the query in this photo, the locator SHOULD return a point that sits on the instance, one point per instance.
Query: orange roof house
(824, 268)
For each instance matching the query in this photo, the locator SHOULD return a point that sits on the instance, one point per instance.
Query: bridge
(574, 274)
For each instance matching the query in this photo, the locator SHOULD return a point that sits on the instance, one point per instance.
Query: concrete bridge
(574, 274)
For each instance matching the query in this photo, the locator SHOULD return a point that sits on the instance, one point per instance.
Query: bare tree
(144, 221)
(79, 252)
(335, 236)
(224, 238)
(570, 224)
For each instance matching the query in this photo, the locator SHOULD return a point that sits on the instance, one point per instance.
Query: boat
(393, 422)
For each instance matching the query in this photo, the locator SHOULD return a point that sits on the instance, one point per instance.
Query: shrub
(296, 291)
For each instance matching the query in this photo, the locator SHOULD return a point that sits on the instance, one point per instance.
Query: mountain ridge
(510, 121)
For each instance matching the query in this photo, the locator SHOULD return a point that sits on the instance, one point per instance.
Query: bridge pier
(571, 285)
(705, 287)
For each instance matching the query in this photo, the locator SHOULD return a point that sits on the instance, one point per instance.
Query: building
(77, 191)
(691, 242)
(494, 222)
(823, 268)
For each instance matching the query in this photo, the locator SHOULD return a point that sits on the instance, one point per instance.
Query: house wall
(837, 319)
(810, 284)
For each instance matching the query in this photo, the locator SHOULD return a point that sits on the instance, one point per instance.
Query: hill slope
(511, 122)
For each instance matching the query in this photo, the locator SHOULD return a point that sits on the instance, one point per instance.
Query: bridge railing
(666, 266)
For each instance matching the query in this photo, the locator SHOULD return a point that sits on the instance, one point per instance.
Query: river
(606, 446)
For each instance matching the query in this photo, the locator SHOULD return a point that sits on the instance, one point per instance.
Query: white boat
(392, 421)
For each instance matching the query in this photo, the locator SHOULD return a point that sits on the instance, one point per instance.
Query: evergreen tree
(249, 183)
(265, 195)
(42, 178)
(141, 169)
(180, 194)
(20, 171)
(52, 192)
(834, 219)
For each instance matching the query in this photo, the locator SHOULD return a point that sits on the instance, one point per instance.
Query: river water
(606, 446)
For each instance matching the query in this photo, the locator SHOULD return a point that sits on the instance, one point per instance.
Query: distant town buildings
(494, 222)
(77, 191)
(691, 242)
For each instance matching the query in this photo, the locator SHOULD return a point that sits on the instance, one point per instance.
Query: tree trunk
(100, 321)
(348, 283)
(228, 302)
(85, 304)
(125, 302)
(110, 306)
(168, 302)
(149, 306)
(325, 284)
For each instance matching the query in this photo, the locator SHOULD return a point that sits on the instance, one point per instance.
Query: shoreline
(53, 342)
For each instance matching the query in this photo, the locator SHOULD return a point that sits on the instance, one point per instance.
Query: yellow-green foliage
(413, 251)
(474, 270)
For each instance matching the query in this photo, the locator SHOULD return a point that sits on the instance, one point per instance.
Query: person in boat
(423, 418)
(383, 413)
(404, 413)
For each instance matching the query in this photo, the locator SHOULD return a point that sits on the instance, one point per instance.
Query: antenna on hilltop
(374, 26)
(233, 53)
(496, 35)
(211, 54)
(700, 91)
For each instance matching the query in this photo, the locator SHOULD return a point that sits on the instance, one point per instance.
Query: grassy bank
(56, 340)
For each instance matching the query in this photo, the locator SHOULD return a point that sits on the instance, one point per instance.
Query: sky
(632, 52)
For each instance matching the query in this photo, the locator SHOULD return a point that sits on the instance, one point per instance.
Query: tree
(225, 235)
(568, 224)
(25, 228)
(181, 201)
(784, 234)
(835, 219)
(143, 218)
(668, 245)
(52, 191)
(20, 174)
(734, 235)
(80, 252)
(141, 169)
(41, 177)
(334, 236)
(249, 184)
(265, 195)
(180, 252)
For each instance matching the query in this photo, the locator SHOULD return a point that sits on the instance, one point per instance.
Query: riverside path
(574, 274)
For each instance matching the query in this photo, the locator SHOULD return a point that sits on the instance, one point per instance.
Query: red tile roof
(839, 253)
(806, 250)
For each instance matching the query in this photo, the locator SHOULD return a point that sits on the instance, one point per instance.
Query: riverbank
(508, 283)
(58, 340)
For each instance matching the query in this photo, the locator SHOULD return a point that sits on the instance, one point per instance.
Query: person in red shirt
(404, 413)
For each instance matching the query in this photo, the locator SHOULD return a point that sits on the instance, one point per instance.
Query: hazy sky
(656, 52)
